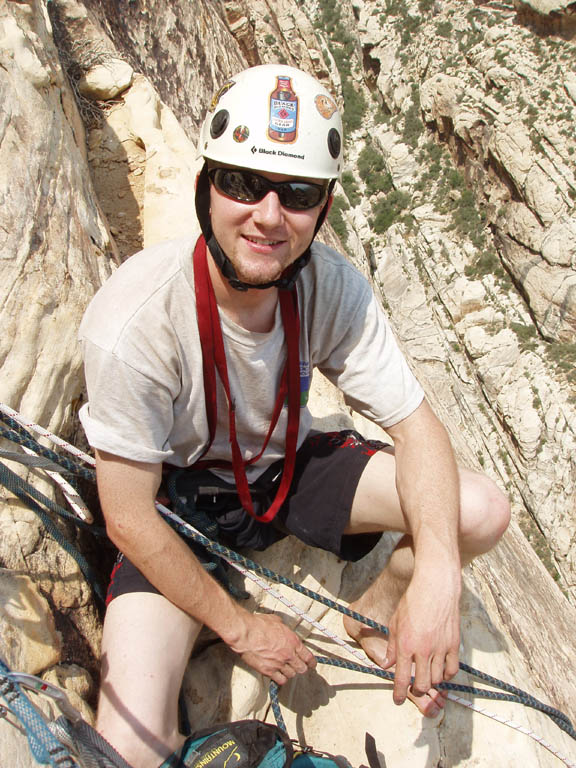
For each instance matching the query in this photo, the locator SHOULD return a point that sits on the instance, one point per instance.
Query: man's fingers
(437, 673)
(422, 680)
(390, 658)
(279, 678)
(402, 679)
(298, 665)
(307, 657)
(288, 671)
(452, 666)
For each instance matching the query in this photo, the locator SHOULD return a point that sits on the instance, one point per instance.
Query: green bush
(444, 29)
(373, 171)
(381, 116)
(337, 220)
(455, 179)
(354, 107)
(351, 188)
(409, 26)
(412, 125)
(389, 210)
(526, 335)
(487, 263)
(370, 161)
(466, 216)
(329, 17)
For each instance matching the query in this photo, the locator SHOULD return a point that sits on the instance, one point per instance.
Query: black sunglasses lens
(239, 185)
(248, 187)
(299, 195)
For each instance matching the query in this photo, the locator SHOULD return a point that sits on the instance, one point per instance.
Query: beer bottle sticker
(283, 122)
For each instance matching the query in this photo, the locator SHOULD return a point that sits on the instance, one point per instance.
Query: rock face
(100, 162)
(490, 243)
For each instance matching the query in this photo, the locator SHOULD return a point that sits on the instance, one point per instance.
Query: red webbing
(214, 360)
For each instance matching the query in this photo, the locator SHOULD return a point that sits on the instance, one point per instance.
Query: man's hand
(424, 637)
(271, 648)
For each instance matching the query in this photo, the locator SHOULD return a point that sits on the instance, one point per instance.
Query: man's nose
(269, 210)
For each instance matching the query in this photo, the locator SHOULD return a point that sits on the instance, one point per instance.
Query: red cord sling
(214, 361)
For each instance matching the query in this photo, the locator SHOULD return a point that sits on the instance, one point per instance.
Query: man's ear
(329, 204)
(196, 182)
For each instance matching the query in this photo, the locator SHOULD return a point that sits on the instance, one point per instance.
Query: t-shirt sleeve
(366, 363)
(128, 413)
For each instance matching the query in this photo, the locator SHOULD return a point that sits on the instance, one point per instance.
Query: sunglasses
(249, 187)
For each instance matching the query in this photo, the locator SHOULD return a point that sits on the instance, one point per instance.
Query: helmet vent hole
(334, 142)
(219, 123)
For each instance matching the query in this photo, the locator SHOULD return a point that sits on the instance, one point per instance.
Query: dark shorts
(317, 510)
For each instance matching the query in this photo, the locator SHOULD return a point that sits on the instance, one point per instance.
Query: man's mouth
(262, 241)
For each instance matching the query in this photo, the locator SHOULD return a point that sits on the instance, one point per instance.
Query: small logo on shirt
(304, 383)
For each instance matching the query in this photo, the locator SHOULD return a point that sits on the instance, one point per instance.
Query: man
(192, 349)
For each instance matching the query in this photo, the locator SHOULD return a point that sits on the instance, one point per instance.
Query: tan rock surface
(28, 636)
(106, 81)
(547, 6)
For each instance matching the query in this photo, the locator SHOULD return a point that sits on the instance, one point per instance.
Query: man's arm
(425, 628)
(127, 491)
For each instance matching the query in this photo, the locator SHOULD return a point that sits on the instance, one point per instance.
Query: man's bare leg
(484, 518)
(146, 645)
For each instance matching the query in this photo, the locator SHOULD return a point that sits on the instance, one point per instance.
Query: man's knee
(485, 513)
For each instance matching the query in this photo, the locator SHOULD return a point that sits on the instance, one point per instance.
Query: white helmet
(274, 118)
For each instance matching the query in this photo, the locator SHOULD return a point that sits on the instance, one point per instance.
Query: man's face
(261, 239)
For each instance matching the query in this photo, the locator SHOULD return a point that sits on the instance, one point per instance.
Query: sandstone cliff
(458, 197)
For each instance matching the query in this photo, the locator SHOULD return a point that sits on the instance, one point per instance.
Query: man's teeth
(263, 242)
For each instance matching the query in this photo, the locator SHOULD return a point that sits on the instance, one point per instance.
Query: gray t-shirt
(143, 360)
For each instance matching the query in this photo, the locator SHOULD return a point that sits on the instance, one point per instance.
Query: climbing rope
(68, 740)
(40, 456)
(252, 569)
(17, 418)
(30, 496)
(18, 432)
(333, 637)
(45, 747)
(234, 557)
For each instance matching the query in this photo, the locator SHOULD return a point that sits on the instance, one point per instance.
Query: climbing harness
(47, 747)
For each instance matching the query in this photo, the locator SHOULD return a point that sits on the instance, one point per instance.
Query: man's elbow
(117, 532)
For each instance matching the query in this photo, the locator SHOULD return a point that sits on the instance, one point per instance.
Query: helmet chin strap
(286, 280)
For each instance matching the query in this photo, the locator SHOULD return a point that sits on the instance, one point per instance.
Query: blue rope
(18, 434)
(557, 717)
(45, 747)
(24, 492)
(275, 704)
(521, 698)
(12, 481)
(514, 694)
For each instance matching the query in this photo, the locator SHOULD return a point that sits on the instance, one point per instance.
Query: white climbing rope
(75, 501)
(511, 724)
(70, 494)
(45, 433)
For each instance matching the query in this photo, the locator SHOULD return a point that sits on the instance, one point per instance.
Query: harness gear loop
(214, 361)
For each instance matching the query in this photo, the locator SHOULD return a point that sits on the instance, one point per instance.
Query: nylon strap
(214, 362)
